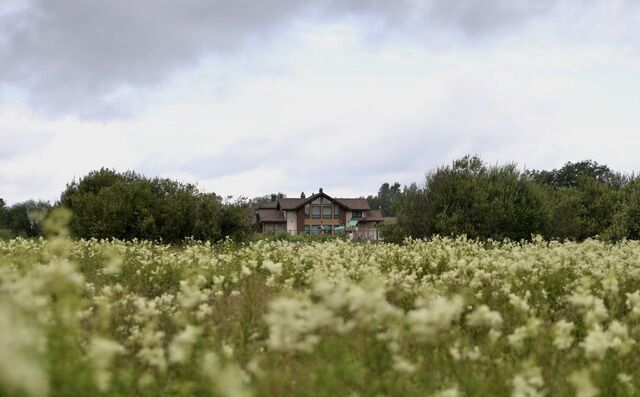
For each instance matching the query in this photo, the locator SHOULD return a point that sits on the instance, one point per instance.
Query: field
(446, 317)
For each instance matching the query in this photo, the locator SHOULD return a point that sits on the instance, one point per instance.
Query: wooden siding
(300, 219)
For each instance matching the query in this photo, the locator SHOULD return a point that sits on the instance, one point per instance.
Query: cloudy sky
(249, 97)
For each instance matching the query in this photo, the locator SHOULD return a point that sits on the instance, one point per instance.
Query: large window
(336, 212)
(315, 211)
(306, 211)
(326, 211)
(356, 214)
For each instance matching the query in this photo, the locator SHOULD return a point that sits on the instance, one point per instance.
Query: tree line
(22, 219)
(467, 197)
(470, 197)
(110, 204)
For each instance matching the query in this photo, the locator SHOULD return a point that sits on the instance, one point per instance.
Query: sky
(251, 97)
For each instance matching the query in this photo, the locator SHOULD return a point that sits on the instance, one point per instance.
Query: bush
(468, 197)
(108, 204)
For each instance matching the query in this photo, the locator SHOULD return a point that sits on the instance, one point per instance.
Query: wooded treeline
(467, 197)
(109, 204)
(470, 197)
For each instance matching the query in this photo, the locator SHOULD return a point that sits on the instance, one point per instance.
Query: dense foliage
(108, 204)
(470, 198)
(443, 317)
(22, 219)
(385, 200)
(467, 197)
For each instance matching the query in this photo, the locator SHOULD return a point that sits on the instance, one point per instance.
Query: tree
(573, 174)
(385, 199)
(470, 198)
(127, 205)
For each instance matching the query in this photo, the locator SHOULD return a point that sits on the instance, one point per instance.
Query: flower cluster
(445, 317)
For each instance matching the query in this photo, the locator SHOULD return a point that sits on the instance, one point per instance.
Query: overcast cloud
(250, 97)
(79, 57)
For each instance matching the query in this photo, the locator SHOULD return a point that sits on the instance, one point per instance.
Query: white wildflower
(520, 334)
(182, 343)
(581, 381)
(438, 315)
(596, 343)
(519, 303)
(294, 322)
(402, 365)
(528, 383)
(101, 353)
(484, 317)
(229, 381)
(452, 391)
(633, 304)
(275, 268)
(562, 338)
(21, 361)
(625, 379)
(620, 340)
(610, 284)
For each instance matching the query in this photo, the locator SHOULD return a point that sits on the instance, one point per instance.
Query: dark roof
(270, 215)
(372, 216)
(358, 204)
(268, 204)
(291, 203)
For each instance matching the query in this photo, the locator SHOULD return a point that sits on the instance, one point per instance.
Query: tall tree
(386, 198)
(127, 205)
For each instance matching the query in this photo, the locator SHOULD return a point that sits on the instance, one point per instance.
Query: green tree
(127, 205)
(573, 174)
(470, 198)
(386, 198)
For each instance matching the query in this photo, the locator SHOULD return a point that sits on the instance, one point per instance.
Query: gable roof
(268, 204)
(358, 204)
(372, 216)
(270, 215)
(291, 203)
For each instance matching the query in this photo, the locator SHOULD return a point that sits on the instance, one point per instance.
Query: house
(320, 214)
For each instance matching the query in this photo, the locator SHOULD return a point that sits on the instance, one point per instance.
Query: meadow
(443, 317)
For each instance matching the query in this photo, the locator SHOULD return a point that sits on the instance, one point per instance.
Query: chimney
(320, 190)
(273, 197)
(302, 195)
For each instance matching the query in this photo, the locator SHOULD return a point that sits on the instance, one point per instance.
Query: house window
(315, 211)
(326, 211)
(356, 214)
(306, 211)
(317, 201)
(307, 229)
(336, 212)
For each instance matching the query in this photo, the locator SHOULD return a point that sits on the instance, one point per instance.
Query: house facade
(320, 214)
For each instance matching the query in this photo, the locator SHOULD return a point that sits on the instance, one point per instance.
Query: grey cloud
(17, 143)
(475, 17)
(374, 159)
(19, 188)
(85, 57)
(247, 154)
